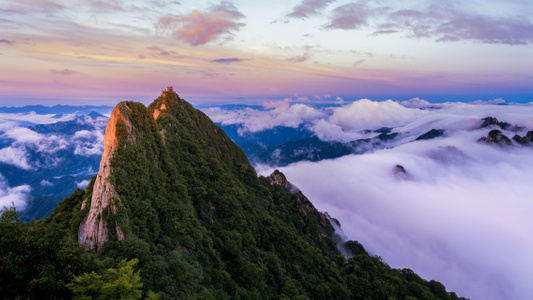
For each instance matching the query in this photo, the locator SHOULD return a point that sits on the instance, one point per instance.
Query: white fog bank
(463, 213)
(462, 216)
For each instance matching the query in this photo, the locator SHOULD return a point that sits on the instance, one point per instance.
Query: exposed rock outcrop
(157, 111)
(302, 203)
(93, 231)
(126, 124)
(433, 133)
(490, 121)
(526, 140)
(496, 137)
(277, 178)
(400, 172)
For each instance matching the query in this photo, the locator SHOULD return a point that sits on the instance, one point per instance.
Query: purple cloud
(359, 62)
(7, 42)
(227, 60)
(199, 28)
(380, 32)
(299, 59)
(65, 72)
(8, 11)
(308, 8)
(353, 15)
(229, 8)
(106, 6)
(485, 30)
(444, 24)
(24, 7)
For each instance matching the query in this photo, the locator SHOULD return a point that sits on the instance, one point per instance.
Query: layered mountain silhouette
(179, 197)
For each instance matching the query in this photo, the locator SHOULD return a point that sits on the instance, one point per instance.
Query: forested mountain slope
(177, 211)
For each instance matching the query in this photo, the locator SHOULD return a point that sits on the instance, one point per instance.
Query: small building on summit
(169, 90)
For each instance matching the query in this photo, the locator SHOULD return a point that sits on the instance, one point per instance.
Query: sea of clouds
(24, 149)
(462, 215)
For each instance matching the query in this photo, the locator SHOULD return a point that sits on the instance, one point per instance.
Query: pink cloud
(199, 28)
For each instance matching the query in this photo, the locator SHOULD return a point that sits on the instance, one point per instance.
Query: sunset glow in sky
(101, 52)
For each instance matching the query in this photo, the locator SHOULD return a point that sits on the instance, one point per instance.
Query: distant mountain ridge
(56, 109)
(292, 145)
(58, 158)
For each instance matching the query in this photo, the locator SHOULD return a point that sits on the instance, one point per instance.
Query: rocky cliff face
(126, 123)
(93, 232)
(496, 137)
(278, 178)
(157, 111)
(525, 140)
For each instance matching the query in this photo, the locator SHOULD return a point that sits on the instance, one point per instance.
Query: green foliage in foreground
(199, 223)
(120, 283)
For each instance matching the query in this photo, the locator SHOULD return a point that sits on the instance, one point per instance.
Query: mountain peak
(278, 178)
(164, 103)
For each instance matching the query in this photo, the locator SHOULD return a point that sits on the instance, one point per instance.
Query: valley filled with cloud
(450, 207)
(44, 156)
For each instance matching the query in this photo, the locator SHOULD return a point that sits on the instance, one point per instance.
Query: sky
(102, 52)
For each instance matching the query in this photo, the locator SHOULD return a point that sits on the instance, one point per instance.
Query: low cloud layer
(360, 118)
(8, 120)
(461, 215)
(365, 115)
(10, 196)
(89, 142)
(36, 149)
(277, 113)
(15, 156)
(202, 27)
(28, 149)
(82, 184)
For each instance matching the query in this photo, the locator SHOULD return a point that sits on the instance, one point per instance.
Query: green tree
(120, 283)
